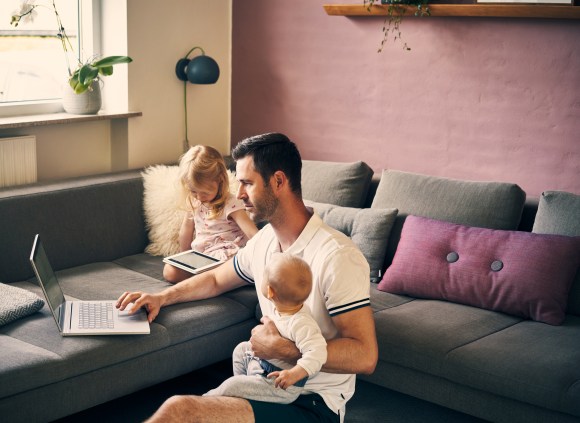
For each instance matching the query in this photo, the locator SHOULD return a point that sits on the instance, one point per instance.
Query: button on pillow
(519, 273)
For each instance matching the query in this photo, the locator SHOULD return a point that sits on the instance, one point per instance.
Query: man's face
(258, 197)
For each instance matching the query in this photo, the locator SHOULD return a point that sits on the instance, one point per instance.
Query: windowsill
(60, 118)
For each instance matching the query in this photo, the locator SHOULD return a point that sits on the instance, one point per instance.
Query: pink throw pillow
(519, 273)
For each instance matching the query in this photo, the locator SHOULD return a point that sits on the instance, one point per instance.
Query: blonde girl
(216, 223)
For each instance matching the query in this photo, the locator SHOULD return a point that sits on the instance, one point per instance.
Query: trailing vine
(395, 12)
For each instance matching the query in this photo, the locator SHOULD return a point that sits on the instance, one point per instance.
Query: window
(33, 64)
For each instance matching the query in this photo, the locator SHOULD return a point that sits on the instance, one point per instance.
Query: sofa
(459, 347)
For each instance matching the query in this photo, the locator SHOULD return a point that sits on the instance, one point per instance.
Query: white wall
(158, 34)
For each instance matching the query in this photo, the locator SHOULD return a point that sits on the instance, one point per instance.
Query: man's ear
(279, 178)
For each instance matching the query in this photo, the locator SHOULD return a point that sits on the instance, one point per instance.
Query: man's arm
(354, 351)
(205, 285)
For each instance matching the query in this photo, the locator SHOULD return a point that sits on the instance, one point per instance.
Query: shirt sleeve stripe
(349, 307)
(240, 273)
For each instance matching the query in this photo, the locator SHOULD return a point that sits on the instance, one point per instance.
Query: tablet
(192, 261)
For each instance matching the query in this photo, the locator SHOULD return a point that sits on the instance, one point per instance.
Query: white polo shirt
(340, 284)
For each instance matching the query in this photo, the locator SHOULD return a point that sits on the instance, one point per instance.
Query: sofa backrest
(342, 184)
(559, 213)
(493, 205)
(526, 222)
(81, 220)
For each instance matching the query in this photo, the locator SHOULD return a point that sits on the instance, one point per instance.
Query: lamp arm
(190, 51)
(186, 140)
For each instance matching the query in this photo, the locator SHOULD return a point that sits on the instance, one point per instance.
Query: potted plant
(395, 13)
(84, 95)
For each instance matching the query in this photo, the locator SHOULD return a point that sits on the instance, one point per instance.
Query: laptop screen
(47, 280)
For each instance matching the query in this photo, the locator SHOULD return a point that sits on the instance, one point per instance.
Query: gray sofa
(489, 364)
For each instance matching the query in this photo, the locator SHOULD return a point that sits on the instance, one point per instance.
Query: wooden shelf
(470, 10)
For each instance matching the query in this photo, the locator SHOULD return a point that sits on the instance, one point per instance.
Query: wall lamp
(201, 69)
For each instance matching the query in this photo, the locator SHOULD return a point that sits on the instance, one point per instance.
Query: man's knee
(191, 408)
(179, 405)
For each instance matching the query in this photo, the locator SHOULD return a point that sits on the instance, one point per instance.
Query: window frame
(89, 20)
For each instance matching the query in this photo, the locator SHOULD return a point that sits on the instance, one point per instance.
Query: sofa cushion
(519, 273)
(16, 303)
(494, 205)
(343, 184)
(420, 334)
(368, 228)
(558, 213)
(529, 362)
(34, 354)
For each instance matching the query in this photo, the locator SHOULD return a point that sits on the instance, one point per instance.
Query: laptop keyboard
(96, 315)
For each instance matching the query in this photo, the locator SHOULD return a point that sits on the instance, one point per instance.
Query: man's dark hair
(272, 152)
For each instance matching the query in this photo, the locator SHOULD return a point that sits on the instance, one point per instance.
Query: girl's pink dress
(220, 237)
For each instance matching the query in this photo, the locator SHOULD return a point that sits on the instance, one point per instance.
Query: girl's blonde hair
(199, 166)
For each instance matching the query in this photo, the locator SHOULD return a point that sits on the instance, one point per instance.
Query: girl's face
(205, 193)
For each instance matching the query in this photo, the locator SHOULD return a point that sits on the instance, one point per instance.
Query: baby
(287, 283)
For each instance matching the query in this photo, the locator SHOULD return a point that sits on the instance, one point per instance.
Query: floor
(369, 404)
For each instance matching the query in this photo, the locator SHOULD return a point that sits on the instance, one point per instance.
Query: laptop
(82, 317)
(192, 261)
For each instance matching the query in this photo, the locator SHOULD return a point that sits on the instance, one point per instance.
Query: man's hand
(267, 343)
(151, 303)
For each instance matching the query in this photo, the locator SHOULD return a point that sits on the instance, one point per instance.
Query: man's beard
(264, 207)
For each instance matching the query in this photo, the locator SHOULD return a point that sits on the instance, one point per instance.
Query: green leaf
(106, 71)
(111, 60)
(87, 74)
(74, 80)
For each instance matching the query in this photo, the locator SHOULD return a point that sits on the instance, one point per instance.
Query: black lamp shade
(199, 70)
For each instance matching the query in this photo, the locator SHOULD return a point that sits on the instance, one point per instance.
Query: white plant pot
(87, 103)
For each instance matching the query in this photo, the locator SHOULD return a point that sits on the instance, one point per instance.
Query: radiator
(17, 161)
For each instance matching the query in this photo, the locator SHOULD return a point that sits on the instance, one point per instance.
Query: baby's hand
(280, 379)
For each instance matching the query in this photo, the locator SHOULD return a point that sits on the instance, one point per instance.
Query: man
(268, 168)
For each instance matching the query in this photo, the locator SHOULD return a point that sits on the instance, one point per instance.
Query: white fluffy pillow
(163, 203)
(164, 206)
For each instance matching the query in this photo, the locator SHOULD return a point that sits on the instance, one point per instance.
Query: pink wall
(476, 98)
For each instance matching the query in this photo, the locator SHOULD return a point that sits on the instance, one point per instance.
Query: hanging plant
(395, 12)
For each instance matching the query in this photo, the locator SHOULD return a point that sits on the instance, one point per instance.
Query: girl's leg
(173, 274)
